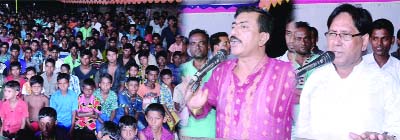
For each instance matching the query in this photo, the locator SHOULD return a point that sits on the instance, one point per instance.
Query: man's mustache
(234, 39)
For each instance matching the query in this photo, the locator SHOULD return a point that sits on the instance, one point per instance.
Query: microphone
(210, 64)
(325, 58)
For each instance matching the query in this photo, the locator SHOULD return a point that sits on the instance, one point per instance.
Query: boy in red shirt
(14, 111)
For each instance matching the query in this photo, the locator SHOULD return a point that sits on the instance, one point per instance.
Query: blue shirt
(64, 105)
(176, 73)
(124, 100)
(142, 30)
(21, 61)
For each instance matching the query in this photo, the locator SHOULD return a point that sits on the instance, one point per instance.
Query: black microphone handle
(326, 57)
(309, 66)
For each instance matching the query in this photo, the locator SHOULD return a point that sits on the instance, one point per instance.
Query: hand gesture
(371, 136)
(198, 100)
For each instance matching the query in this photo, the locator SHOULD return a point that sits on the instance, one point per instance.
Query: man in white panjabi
(382, 40)
(349, 99)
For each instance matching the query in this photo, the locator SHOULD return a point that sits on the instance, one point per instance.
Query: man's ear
(264, 37)
(365, 39)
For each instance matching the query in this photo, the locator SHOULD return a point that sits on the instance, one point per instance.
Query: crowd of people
(126, 76)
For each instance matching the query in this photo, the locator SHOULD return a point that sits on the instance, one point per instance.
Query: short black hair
(177, 53)
(166, 72)
(37, 79)
(51, 60)
(362, 18)
(156, 35)
(124, 36)
(152, 68)
(54, 48)
(199, 31)
(5, 43)
(86, 52)
(214, 39)
(28, 49)
(129, 46)
(13, 85)
(398, 34)
(302, 24)
(139, 39)
(35, 41)
(171, 18)
(115, 50)
(155, 107)
(89, 82)
(15, 64)
(133, 79)
(161, 54)
(15, 47)
(73, 44)
(45, 41)
(106, 75)
(315, 31)
(90, 38)
(47, 112)
(127, 121)
(142, 53)
(132, 65)
(383, 24)
(111, 129)
(265, 20)
(66, 66)
(63, 76)
(112, 39)
(30, 69)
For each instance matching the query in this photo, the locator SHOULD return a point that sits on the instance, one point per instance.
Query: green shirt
(86, 32)
(108, 105)
(72, 63)
(204, 127)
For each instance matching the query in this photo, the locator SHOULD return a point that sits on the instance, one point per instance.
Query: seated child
(26, 88)
(130, 103)
(155, 116)
(166, 91)
(88, 111)
(13, 111)
(47, 124)
(14, 74)
(73, 80)
(35, 101)
(127, 126)
(109, 131)
(133, 71)
(150, 90)
(65, 102)
(108, 100)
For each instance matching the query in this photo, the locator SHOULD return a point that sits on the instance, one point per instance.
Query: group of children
(142, 107)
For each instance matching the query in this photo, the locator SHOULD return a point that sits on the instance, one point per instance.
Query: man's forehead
(343, 23)
(223, 38)
(197, 37)
(300, 34)
(381, 32)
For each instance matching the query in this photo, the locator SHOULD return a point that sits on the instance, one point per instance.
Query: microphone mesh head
(223, 51)
(222, 54)
(329, 56)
